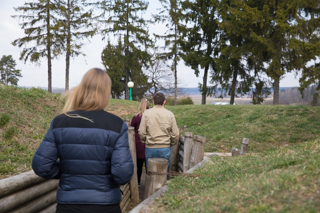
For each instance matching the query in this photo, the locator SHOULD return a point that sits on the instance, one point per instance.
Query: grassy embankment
(280, 173)
(25, 116)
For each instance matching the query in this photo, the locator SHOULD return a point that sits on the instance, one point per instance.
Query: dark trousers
(86, 208)
(139, 168)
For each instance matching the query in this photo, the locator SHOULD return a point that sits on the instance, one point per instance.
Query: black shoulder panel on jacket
(95, 119)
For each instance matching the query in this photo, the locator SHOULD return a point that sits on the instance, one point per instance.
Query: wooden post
(244, 146)
(134, 181)
(180, 154)
(173, 161)
(38, 204)
(50, 209)
(127, 121)
(154, 182)
(197, 150)
(125, 198)
(17, 199)
(235, 152)
(188, 141)
(18, 182)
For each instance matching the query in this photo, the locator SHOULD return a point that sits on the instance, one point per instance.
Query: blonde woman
(87, 149)
(140, 147)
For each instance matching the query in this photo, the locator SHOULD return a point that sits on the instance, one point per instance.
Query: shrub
(185, 101)
(4, 119)
(315, 99)
(9, 133)
(180, 101)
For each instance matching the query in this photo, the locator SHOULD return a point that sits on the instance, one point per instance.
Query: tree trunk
(233, 86)
(276, 87)
(7, 82)
(126, 43)
(175, 67)
(49, 49)
(175, 81)
(276, 76)
(68, 47)
(204, 88)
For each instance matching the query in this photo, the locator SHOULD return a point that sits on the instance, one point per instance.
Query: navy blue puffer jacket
(91, 157)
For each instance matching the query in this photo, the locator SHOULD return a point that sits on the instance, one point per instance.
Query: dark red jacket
(140, 147)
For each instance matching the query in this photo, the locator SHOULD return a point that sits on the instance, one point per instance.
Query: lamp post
(130, 85)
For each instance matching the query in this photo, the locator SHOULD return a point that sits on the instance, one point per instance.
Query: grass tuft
(10, 132)
(4, 119)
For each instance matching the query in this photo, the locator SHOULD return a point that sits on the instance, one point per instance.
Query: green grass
(282, 180)
(4, 120)
(266, 127)
(10, 132)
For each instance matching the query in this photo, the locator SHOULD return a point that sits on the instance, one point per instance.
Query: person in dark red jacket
(140, 147)
(86, 148)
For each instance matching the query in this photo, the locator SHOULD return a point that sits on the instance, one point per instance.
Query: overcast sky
(36, 75)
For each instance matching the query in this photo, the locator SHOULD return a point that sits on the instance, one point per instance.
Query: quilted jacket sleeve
(44, 162)
(121, 162)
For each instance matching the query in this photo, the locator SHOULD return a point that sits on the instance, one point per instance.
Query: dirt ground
(141, 191)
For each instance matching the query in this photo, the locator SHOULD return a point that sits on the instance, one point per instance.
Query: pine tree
(283, 32)
(201, 36)
(75, 24)
(114, 62)
(8, 72)
(125, 21)
(170, 13)
(38, 26)
(310, 49)
(234, 70)
(276, 33)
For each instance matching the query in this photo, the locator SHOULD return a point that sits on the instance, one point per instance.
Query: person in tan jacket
(158, 130)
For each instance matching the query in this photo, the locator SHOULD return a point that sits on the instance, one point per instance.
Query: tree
(201, 36)
(260, 93)
(231, 74)
(114, 59)
(171, 14)
(239, 63)
(38, 26)
(8, 72)
(125, 22)
(75, 24)
(283, 30)
(159, 75)
(276, 34)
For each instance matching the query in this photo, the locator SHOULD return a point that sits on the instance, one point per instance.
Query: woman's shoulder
(138, 115)
(89, 119)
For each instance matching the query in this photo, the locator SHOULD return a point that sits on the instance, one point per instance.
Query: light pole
(130, 85)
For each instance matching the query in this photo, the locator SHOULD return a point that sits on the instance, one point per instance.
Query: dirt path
(141, 191)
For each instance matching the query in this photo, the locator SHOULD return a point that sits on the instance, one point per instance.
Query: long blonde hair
(144, 105)
(93, 92)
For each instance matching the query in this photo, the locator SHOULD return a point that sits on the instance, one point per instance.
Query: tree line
(239, 44)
